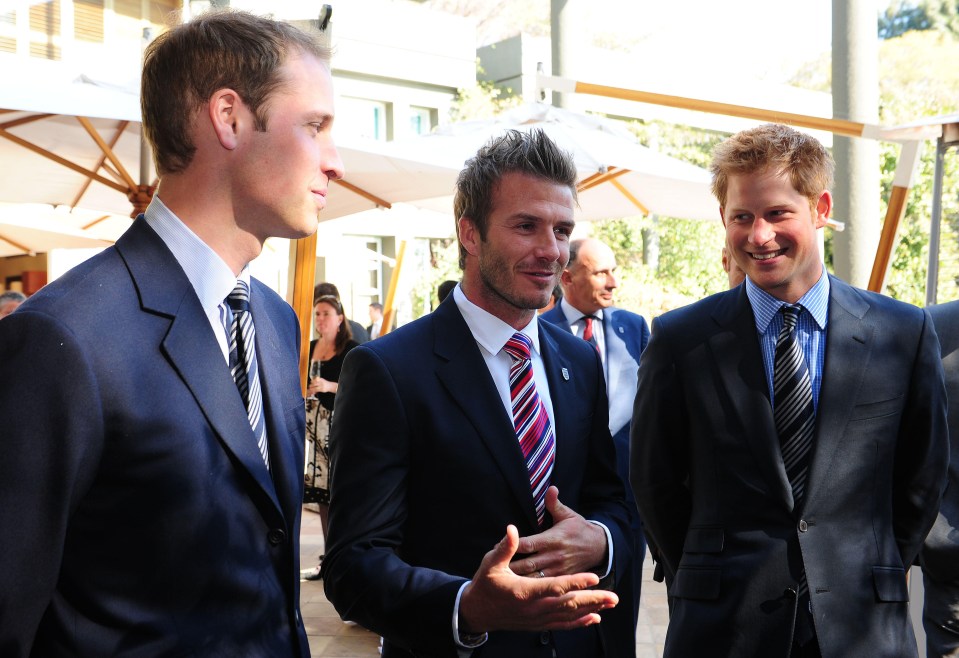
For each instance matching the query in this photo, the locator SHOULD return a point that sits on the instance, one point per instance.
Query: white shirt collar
(489, 331)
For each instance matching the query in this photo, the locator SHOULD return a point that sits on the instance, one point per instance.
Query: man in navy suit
(789, 443)
(586, 310)
(142, 515)
(445, 535)
(940, 552)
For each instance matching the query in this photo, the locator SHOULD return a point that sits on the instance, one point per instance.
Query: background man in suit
(940, 552)
(151, 506)
(787, 470)
(446, 528)
(376, 320)
(620, 337)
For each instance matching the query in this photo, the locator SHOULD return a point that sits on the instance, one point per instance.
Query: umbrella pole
(304, 274)
(391, 293)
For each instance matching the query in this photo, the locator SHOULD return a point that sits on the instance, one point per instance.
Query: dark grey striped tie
(243, 365)
(793, 405)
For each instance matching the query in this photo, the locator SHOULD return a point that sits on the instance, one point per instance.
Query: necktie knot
(791, 315)
(239, 298)
(519, 347)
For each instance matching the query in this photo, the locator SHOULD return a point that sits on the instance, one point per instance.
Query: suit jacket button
(276, 537)
(803, 526)
(789, 593)
(544, 638)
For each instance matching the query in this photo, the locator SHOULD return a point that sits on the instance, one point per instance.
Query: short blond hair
(778, 148)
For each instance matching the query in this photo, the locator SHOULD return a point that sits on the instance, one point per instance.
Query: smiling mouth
(768, 255)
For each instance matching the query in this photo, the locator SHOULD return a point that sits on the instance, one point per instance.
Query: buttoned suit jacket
(940, 552)
(709, 479)
(138, 517)
(427, 474)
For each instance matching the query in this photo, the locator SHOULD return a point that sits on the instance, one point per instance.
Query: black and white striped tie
(794, 413)
(243, 365)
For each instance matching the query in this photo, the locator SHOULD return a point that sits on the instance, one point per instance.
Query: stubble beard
(496, 277)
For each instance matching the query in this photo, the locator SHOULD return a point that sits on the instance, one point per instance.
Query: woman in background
(333, 341)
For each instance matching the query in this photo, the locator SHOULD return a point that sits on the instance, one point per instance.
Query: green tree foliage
(902, 17)
(917, 78)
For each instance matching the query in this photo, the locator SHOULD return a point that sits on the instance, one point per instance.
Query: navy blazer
(427, 473)
(940, 552)
(709, 479)
(138, 517)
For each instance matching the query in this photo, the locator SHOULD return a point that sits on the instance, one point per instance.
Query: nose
(761, 232)
(611, 281)
(331, 163)
(551, 249)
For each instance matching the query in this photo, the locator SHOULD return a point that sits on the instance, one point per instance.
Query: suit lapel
(739, 361)
(848, 345)
(286, 456)
(191, 347)
(462, 370)
(556, 364)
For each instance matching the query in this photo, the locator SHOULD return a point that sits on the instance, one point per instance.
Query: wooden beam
(363, 193)
(304, 273)
(837, 126)
(391, 292)
(887, 239)
(906, 167)
(108, 151)
(25, 249)
(600, 177)
(632, 199)
(22, 121)
(86, 185)
(62, 161)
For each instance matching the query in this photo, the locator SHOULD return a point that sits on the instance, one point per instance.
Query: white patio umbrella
(618, 177)
(32, 229)
(77, 143)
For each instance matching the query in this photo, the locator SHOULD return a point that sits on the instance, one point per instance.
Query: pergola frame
(912, 138)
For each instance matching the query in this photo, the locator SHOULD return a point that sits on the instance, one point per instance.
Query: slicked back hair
(775, 148)
(532, 153)
(184, 66)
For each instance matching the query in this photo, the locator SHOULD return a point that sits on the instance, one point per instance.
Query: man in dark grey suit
(789, 442)
(940, 552)
(474, 495)
(151, 493)
(586, 310)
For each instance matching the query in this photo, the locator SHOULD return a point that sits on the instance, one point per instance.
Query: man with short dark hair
(586, 310)
(475, 503)
(152, 485)
(376, 320)
(789, 441)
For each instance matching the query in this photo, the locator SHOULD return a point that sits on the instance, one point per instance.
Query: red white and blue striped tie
(533, 429)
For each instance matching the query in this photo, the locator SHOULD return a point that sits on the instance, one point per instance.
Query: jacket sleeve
(659, 452)
(52, 439)
(922, 449)
(364, 576)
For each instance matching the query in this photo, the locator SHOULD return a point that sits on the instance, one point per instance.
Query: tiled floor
(329, 636)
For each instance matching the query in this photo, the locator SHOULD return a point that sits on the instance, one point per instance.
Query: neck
(212, 219)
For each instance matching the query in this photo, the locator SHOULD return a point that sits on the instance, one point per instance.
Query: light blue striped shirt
(810, 330)
(211, 278)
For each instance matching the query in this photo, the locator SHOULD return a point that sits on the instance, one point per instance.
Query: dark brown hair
(344, 334)
(532, 153)
(184, 66)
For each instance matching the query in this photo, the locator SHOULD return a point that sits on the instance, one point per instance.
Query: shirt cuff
(465, 641)
(609, 550)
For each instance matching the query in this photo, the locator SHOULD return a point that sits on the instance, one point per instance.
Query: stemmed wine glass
(314, 373)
